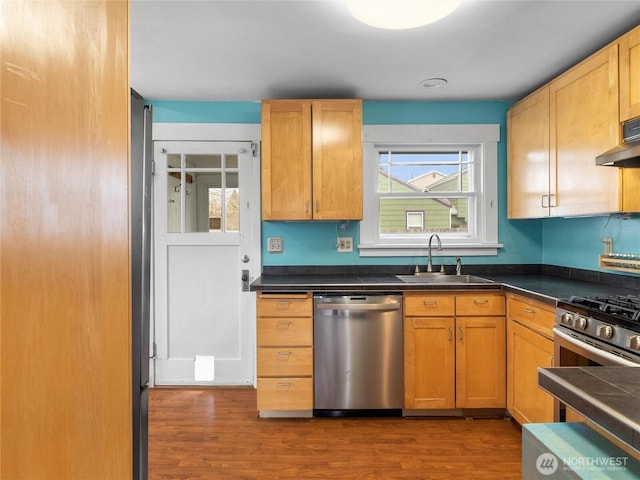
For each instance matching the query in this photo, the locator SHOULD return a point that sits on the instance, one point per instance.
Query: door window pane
(203, 193)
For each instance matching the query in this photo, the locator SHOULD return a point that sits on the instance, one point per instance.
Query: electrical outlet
(345, 244)
(275, 245)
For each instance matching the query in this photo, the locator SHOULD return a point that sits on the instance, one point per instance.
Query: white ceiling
(247, 50)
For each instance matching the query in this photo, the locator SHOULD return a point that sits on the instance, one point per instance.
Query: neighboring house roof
(425, 180)
(414, 188)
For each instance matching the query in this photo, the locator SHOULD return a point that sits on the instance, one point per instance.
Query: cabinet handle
(430, 302)
(306, 207)
(284, 304)
(553, 197)
(543, 205)
(461, 335)
(450, 333)
(284, 324)
(284, 385)
(284, 354)
(480, 302)
(552, 362)
(528, 310)
(317, 206)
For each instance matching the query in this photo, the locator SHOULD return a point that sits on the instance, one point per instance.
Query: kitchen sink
(442, 279)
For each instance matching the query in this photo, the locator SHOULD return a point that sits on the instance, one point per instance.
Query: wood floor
(214, 433)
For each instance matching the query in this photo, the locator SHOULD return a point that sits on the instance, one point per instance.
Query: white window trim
(486, 136)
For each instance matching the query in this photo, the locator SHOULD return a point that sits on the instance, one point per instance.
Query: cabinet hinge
(153, 168)
(254, 149)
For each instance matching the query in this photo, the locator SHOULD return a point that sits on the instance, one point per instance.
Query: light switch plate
(345, 244)
(275, 244)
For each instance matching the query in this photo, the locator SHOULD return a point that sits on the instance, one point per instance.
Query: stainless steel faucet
(458, 266)
(429, 264)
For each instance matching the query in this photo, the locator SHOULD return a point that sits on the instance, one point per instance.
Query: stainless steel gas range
(598, 331)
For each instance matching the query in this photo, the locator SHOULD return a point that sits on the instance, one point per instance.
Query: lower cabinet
(285, 354)
(529, 346)
(454, 350)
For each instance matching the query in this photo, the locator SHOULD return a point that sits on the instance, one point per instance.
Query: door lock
(245, 280)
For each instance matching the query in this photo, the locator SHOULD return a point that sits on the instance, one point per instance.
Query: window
(426, 179)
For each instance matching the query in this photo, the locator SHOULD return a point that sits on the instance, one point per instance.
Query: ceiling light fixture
(433, 82)
(400, 14)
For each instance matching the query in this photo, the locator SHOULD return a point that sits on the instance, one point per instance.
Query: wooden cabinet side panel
(65, 276)
(528, 156)
(286, 160)
(630, 75)
(480, 362)
(526, 351)
(584, 123)
(429, 368)
(337, 159)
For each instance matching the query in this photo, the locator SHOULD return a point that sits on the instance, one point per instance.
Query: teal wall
(573, 242)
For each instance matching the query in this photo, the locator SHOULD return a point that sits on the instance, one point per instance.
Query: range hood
(627, 154)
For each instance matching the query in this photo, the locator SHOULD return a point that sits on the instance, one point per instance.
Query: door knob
(245, 259)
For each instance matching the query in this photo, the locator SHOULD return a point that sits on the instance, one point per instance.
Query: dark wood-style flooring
(214, 433)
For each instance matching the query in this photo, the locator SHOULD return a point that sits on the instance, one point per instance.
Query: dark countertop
(608, 396)
(545, 288)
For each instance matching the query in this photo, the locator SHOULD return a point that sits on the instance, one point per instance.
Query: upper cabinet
(583, 121)
(629, 46)
(312, 160)
(555, 134)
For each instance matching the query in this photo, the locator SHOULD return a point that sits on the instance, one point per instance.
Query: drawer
(428, 305)
(284, 305)
(479, 305)
(277, 331)
(534, 315)
(285, 393)
(285, 361)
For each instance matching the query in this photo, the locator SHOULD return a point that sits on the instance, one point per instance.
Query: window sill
(421, 250)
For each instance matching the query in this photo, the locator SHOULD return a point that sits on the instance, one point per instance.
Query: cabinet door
(630, 75)
(528, 156)
(429, 368)
(584, 123)
(337, 159)
(526, 351)
(286, 160)
(480, 362)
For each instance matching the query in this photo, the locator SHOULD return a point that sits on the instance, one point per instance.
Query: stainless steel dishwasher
(358, 359)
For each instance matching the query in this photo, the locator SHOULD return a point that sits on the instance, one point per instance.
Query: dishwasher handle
(360, 307)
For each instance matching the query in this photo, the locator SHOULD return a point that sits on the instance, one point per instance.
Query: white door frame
(216, 132)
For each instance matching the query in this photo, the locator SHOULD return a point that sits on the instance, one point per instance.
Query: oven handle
(593, 353)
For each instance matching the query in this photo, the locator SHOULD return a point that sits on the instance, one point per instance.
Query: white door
(206, 225)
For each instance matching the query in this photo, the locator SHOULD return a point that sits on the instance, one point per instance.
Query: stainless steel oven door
(573, 349)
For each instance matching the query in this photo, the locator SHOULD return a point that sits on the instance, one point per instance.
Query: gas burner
(626, 307)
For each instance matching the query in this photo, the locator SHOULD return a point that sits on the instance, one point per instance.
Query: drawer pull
(528, 310)
(283, 304)
(284, 324)
(480, 302)
(285, 354)
(430, 302)
(284, 385)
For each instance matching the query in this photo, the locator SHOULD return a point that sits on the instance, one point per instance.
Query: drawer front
(284, 306)
(285, 362)
(285, 394)
(532, 314)
(278, 331)
(428, 305)
(479, 305)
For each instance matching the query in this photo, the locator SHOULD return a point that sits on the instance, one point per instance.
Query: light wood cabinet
(454, 350)
(312, 160)
(284, 353)
(529, 346)
(629, 46)
(555, 134)
(528, 156)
